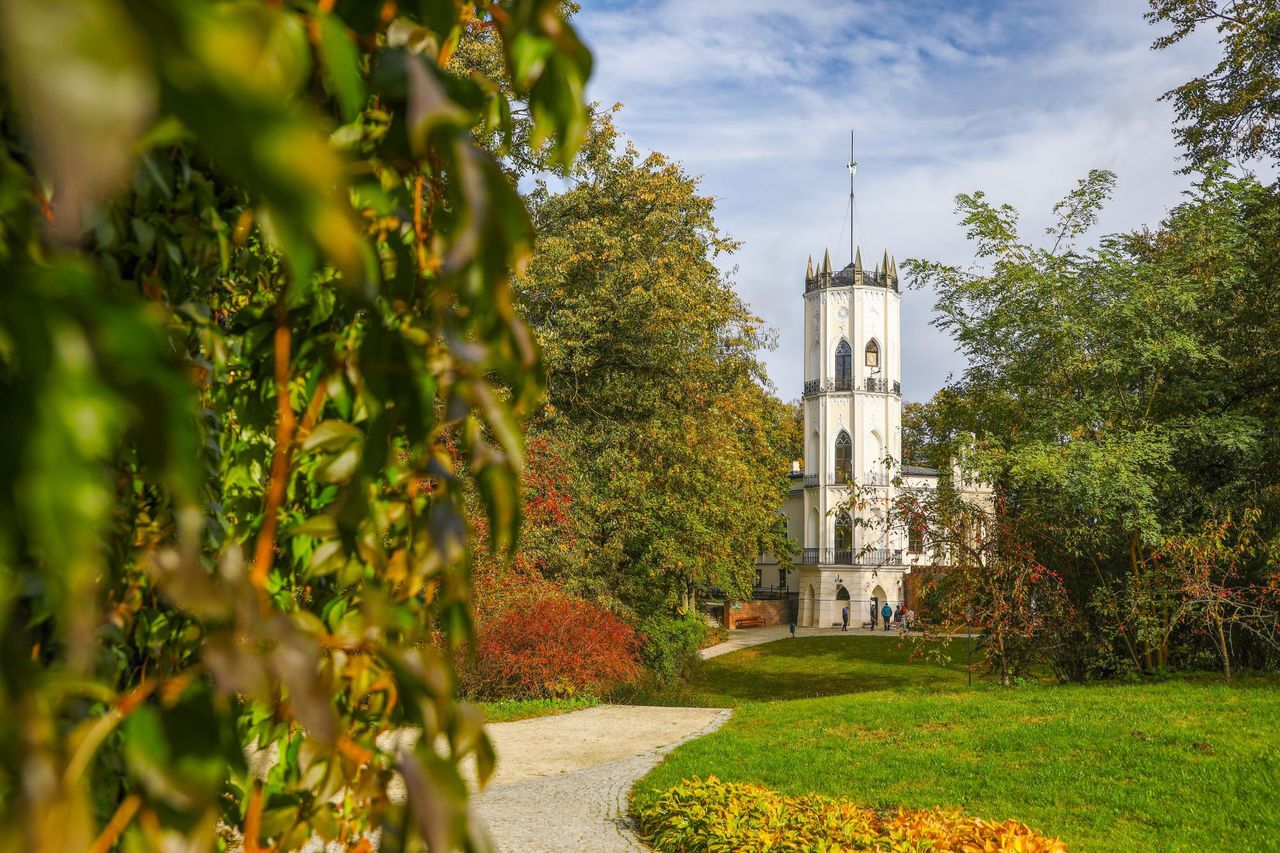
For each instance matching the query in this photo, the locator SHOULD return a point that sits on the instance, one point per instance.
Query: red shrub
(550, 646)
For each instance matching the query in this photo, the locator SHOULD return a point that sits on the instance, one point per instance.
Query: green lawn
(810, 667)
(1180, 765)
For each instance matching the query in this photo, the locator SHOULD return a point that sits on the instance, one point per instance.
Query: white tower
(853, 433)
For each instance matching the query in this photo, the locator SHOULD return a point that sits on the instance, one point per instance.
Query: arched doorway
(878, 598)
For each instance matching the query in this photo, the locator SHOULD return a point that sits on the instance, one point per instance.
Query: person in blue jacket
(887, 613)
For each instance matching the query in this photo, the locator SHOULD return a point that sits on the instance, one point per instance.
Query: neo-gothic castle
(852, 434)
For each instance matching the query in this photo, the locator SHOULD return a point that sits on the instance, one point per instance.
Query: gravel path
(561, 782)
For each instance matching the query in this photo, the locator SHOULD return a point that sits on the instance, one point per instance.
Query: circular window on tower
(843, 313)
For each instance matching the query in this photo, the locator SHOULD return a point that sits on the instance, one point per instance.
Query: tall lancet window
(844, 367)
(844, 457)
(873, 354)
(844, 538)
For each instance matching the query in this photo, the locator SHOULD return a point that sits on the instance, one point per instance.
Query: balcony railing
(810, 480)
(825, 386)
(881, 386)
(874, 384)
(850, 557)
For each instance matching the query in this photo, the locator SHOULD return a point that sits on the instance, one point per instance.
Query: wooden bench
(749, 622)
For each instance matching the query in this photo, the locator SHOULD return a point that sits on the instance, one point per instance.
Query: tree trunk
(1222, 648)
(1148, 660)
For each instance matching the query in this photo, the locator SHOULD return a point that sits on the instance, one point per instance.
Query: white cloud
(1019, 99)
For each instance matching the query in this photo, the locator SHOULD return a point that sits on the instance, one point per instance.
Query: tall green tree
(652, 368)
(1124, 394)
(928, 436)
(256, 287)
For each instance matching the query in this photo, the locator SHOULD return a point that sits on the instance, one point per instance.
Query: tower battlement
(885, 274)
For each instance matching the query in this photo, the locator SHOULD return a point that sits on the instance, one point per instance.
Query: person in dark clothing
(844, 618)
(897, 614)
(887, 613)
(874, 614)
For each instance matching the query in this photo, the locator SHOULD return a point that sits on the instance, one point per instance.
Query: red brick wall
(777, 612)
(911, 586)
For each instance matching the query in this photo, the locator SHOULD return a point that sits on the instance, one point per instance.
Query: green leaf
(144, 233)
(331, 435)
(341, 65)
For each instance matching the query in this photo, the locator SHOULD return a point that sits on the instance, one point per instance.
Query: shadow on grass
(811, 667)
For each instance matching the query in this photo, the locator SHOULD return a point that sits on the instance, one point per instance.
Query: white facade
(853, 432)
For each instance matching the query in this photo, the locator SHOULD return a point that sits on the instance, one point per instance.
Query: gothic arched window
(844, 536)
(873, 354)
(844, 457)
(844, 366)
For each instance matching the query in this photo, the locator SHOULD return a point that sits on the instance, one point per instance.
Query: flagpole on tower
(853, 170)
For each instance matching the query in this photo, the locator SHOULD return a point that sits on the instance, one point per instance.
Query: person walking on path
(844, 618)
(897, 614)
(873, 614)
(887, 613)
(908, 617)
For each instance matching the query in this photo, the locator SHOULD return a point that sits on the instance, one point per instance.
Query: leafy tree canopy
(1234, 110)
(1122, 394)
(652, 370)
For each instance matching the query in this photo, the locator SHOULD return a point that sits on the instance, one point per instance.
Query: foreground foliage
(257, 346)
(1103, 767)
(719, 816)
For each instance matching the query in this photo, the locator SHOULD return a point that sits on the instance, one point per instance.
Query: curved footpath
(561, 782)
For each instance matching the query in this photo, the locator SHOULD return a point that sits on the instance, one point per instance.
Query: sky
(1017, 98)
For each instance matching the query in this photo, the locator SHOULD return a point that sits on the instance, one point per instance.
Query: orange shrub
(551, 645)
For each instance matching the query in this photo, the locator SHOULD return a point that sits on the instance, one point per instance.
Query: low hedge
(711, 815)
